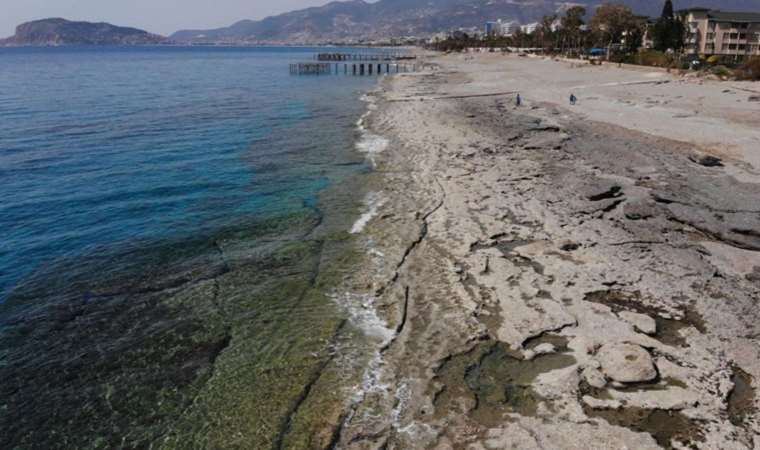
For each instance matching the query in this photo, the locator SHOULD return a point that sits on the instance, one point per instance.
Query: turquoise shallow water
(102, 147)
(174, 220)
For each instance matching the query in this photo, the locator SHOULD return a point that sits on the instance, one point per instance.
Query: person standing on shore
(573, 99)
(518, 100)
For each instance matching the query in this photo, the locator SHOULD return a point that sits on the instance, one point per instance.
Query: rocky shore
(549, 278)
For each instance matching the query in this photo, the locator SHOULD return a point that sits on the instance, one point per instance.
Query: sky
(157, 16)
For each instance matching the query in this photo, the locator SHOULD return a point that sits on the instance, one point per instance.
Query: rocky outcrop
(55, 32)
(550, 272)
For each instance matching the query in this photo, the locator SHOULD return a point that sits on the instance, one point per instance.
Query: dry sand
(557, 277)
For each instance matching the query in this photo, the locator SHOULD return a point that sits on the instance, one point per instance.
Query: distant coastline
(171, 44)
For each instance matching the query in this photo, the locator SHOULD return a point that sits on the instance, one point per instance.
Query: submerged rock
(626, 363)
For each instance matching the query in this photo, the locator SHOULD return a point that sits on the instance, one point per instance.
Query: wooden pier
(311, 69)
(352, 68)
(364, 57)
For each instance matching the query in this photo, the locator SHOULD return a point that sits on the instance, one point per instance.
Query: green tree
(669, 31)
(612, 22)
(571, 25)
(545, 32)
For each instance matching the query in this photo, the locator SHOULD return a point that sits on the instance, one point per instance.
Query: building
(491, 28)
(509, 28)
(724, 33)
(501, 28)
(438, 37)
(529, 28)
(647, 41)
(461, 33)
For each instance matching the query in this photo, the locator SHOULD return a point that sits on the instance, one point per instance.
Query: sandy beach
(556, 276)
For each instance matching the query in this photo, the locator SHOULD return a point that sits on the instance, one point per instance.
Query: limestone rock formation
(626, 363)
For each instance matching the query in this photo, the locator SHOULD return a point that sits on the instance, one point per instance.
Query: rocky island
(55, 32)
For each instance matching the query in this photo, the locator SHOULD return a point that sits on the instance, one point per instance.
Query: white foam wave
(362, 314)
(373, 201)
(372, 143)
(369, 143)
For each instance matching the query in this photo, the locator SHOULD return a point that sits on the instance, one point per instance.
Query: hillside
(54, 32)
(357, 19)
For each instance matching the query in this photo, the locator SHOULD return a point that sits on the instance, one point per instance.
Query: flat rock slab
(641, 322)
(626, 363)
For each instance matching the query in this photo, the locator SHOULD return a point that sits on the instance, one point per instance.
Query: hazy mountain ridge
(357, 19)
(54, 32)
(339, 21)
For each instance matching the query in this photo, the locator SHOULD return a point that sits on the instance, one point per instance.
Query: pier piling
(360, 64)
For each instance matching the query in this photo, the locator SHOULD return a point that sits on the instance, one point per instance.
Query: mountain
(360, 20)
(53, 32)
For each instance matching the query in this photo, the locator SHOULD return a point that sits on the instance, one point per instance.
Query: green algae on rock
(217, 344)
(491, 380)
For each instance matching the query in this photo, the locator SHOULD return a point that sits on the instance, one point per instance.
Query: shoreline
(524, 257)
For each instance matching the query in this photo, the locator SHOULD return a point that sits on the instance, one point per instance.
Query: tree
(612, 22)
(669, 31)
(634, 38)
(571, 25)
(521, 39)
(573, 19)
(545, 31)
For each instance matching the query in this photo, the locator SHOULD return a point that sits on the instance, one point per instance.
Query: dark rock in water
(54, 32)
(754, 98)
(741, 400)
(491, 379)
(707, 161)
(153, 342)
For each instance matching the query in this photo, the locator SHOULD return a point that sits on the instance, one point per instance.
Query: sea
(173, 221)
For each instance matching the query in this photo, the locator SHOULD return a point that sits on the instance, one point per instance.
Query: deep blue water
(105, 146)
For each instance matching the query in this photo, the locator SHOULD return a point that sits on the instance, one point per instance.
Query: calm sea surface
(168, 216)
(106, 146)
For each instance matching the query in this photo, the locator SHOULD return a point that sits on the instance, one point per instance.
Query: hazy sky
(157, 16)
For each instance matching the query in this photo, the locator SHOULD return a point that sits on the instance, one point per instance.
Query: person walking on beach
(573, 99)
(518, 100)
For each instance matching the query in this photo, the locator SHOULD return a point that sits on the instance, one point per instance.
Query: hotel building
(713, 32)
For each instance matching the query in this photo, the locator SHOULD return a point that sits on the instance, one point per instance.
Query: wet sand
(558, 277)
